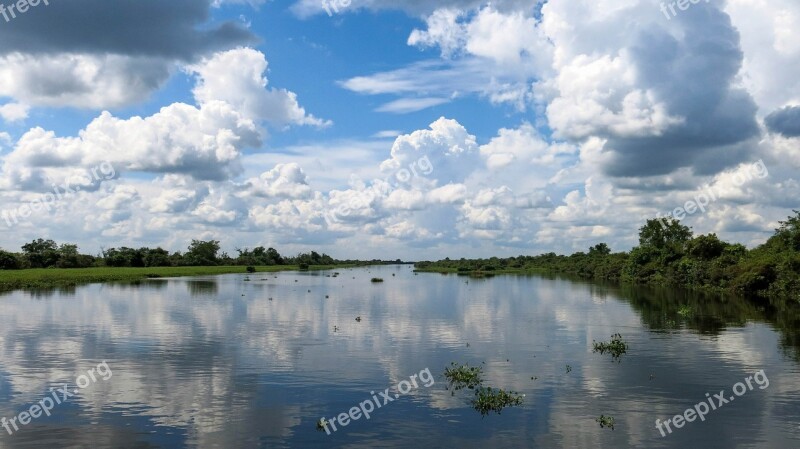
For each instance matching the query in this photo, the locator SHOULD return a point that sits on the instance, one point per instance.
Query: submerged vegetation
(669, 254)
(616, 347)
(486, 399)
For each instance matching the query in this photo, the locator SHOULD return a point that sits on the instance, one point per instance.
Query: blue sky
(547, 126)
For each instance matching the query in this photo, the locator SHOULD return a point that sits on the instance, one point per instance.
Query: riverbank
(70, 277)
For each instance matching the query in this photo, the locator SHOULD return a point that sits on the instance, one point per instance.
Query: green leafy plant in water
(376, 280)
(488, 399)
(685, 311)
(605, 421)
(616, 347)
(463, 376)
(569, 368)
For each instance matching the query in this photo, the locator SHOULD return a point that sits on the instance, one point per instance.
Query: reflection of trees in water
(45, 293)
(710, 314)
(202, 288)
(152, 284)
(713, 313)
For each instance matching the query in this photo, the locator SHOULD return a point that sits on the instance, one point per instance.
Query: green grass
(54, 277)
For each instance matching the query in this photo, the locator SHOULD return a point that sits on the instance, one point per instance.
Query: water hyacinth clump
(616, 347)
(488, 399)
(605, 421)
(463, 376)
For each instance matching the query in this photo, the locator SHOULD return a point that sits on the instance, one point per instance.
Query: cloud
(785, 121)
(204, 141)
(14, 112)
(284, 181)
(81, 80)
(387, 134)
(237, 77)
(174, 30)
(305, 8)
(406, 105)
(50, 57)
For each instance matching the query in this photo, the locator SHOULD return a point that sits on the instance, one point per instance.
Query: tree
(9, 261)
(274, 257)
(705, 247)
(41, 253)
(202, 253)
(125, 257)
(601, 249)
(789, 233)
(156, 257)
(664, 233)
(68, 256)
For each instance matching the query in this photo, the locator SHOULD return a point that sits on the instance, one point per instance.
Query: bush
(9, 261)
(251, 269)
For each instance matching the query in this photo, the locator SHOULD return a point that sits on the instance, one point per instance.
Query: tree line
(42, 253)
(670, 254)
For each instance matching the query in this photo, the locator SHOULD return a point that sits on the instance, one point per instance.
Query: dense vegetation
(669, 254)
(48, 254)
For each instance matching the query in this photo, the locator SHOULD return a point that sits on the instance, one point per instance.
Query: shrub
(9, 261)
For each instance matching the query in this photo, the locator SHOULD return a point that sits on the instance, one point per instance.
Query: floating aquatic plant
(463, 376)
(488, 399)
(605, 421)
(616, 347)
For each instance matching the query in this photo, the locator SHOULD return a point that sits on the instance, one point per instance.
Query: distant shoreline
(48, 278)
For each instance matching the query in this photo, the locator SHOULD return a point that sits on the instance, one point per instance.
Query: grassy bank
(54, 277)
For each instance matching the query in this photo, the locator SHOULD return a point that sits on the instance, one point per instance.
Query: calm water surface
(213, 362)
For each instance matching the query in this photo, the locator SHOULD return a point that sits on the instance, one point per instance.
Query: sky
(396, 129)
